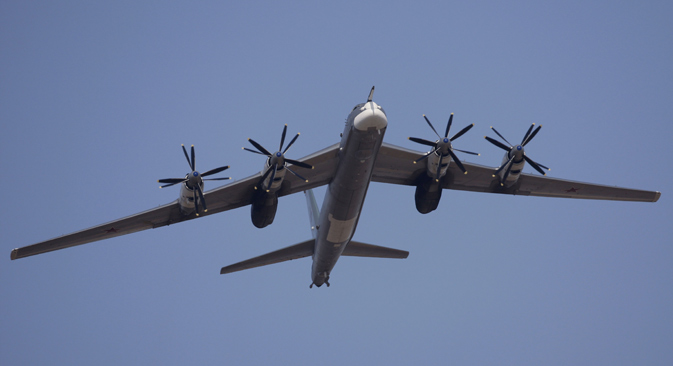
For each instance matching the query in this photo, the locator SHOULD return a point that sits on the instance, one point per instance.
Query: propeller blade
(542, 166)
(193, 159)
(187, 156)
(168, 185)
(426, 155)
(225, 178)
(172, 180)
(297, 175)
(502, 137)
(282, 138)
(504, 165)
(439, 167)
(299, 163)
(498, 143)
(215, 171)
(448, 126)
(462, 132)
(532, 135)
(253, 151)
(259, 147)
(422, 141)
(467, 152)
(431, 126)
(203, 200)
(266, 174)
(196, 203)
(290, 144)
(527, 133)
(371, 95)
(273, 176)
(504, 178)
(455, 158)
(534, 165)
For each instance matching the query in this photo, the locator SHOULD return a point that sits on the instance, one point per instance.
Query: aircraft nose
(371, 115)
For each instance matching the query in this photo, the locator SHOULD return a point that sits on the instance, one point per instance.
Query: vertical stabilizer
(313, 212)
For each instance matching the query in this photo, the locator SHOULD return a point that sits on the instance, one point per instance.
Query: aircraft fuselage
(360, 143)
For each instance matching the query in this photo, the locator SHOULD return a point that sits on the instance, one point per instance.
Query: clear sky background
(95, 100)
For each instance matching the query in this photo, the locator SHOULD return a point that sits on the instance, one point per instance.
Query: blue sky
(95, 100)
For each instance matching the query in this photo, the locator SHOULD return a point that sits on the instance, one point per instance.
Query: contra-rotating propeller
(277, 160)
(443, 146)
(516, 153)
(194, 179)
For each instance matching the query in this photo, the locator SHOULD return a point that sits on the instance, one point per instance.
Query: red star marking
(573, 189)
(111, 230)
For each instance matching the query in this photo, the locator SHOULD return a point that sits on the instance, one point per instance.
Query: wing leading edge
(228, 197)
(395, 165)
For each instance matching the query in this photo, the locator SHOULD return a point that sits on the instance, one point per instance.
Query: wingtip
(15, 254)
(657, 194)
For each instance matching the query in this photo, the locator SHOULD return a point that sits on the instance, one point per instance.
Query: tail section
(301, 250)
(357, 249)
(307, 248)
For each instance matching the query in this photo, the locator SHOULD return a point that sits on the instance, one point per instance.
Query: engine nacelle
(433, 161)
(428, 194)
(265, 201)
(514, 172)
(186, 199)
(263, 208)
(277, 178)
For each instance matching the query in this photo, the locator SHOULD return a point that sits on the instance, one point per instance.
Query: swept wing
(231, 196)
(395, 165)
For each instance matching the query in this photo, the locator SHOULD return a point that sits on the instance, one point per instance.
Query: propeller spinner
(277, 160)
(443, 146)
(194, 180)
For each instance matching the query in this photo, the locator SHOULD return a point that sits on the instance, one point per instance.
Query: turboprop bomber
(347, 168)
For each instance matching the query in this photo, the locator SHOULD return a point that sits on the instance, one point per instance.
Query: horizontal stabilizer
(357, 249)
(301, 250)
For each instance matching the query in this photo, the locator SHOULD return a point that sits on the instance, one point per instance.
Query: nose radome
(370, 116)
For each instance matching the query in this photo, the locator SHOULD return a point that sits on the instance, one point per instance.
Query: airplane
(347, 168)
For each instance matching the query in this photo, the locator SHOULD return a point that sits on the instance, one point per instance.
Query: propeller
(516, 153)
(277, 160)
(194, 179)
(443, 146)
